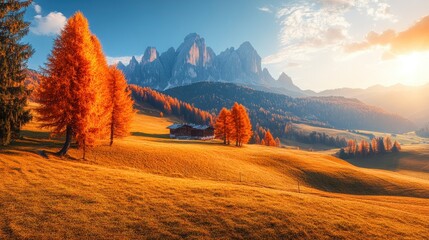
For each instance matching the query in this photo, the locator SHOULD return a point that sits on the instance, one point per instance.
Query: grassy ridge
(148, 186)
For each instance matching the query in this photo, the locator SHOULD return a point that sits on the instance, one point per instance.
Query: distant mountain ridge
(274, 111)
(194, 61)
(407, 101)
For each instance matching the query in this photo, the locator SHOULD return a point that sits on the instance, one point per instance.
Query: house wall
(189, 132)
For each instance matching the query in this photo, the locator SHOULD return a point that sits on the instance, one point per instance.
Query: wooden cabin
(191, 131)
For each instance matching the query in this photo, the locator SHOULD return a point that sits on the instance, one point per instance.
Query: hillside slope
(150, 186)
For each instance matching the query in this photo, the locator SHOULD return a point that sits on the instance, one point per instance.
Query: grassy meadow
(150, 186)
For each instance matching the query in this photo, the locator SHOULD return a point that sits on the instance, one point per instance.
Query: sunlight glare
(410, 67)
(409, 64)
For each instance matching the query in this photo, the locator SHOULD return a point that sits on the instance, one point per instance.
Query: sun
(409, 65)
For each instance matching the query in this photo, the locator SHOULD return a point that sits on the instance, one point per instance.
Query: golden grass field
(149, 186)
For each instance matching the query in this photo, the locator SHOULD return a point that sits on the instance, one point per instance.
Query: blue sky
(321, 44)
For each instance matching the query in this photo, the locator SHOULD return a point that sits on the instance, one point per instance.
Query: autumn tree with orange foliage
(278, 143)
(71, 92)
(269, 139)
(122, 105)
(241, 129)
(223, 126)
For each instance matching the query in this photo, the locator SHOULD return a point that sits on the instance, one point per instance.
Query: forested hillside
(274, 111)
(170, 106)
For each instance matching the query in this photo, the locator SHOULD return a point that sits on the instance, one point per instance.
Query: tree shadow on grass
(34, 142)
(150, 135)
(389, 162)
(179, 141)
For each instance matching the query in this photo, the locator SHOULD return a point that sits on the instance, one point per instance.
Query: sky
(320, 44)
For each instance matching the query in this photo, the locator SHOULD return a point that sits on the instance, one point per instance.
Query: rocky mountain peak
(192, 37)
(120, 65)
(250, 59)
(133, 63)
(150, 55)
(284, 78)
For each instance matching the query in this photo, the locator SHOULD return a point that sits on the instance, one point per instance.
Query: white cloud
(265, 9)
(124, 59)
(381, 12)
(37, 8)
(48, 25)
(313, 26)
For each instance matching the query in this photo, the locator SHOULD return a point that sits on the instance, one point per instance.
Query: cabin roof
(175, 126)
(194, 126)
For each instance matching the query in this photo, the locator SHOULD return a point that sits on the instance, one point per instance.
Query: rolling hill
(275, 110)
(149, 186)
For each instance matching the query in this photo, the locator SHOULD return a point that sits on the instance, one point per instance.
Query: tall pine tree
(13, 58)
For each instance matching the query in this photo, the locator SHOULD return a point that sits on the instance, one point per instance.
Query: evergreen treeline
(170, 106)
(423, 132)
(13, 59)
(377, 146)
(314, 137)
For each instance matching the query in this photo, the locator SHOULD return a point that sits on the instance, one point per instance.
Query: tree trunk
(66, 146)
(5, 134)
(111, 133)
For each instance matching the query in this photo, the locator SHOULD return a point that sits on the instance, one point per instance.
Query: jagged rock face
(149, 55)
(132, 72)
(194, 51)
(193, 62)
(250, 59)
(229, 65)
(168, 59)
(152, 70)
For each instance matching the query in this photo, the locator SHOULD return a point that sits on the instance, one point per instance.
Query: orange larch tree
(241, 129)
(69, 95)
(374, 145)
(388, 143)
(269, 139)
(223, 125)
(122, 105)
(278, 143)
(103, 85)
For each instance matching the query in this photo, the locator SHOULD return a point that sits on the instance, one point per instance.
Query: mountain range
(193, 61)
(407, 101)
